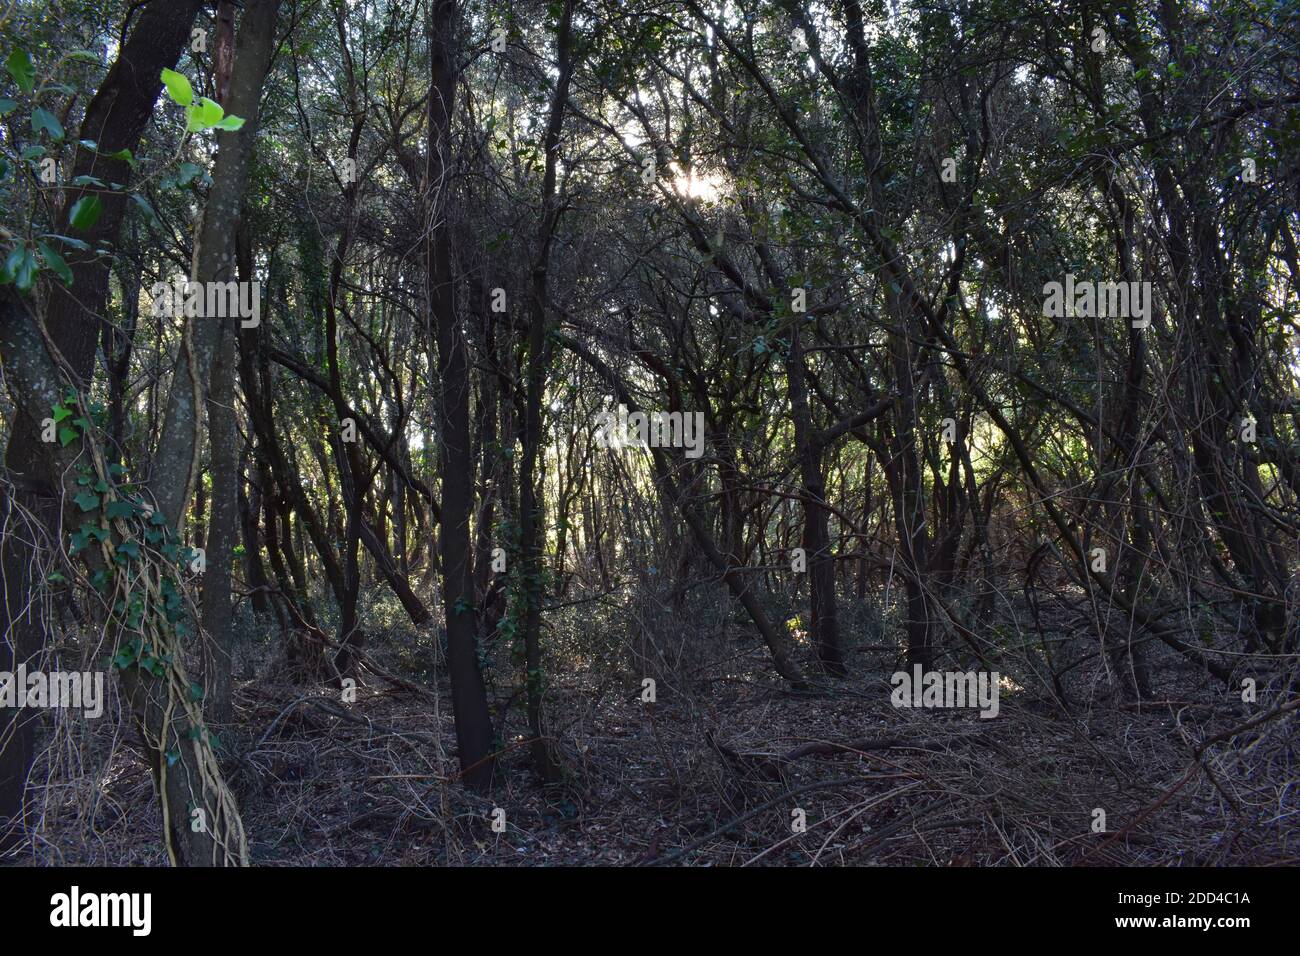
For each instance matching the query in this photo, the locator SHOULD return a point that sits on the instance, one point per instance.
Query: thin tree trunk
(469, 697)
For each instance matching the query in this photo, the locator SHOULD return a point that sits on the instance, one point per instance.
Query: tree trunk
(469, 697)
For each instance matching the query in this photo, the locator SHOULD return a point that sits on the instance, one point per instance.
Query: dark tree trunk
(469, 697)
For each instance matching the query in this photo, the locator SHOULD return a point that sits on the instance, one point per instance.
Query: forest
(530, 433)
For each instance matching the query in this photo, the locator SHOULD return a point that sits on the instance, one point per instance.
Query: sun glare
(691, 185)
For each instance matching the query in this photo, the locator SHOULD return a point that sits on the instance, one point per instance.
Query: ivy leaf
(20, 67)
(129, 548)
(7, 106)
(60, 412)
(67, 436)
(119, 509)
(86, 501)
(85, 212)
(178, 87)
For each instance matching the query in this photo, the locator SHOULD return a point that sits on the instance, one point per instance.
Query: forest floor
(718, 771)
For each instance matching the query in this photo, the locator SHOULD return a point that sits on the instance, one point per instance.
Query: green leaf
(178, 87)
(55, 262)
(124, 155)
(119, 509)
(186, 173)
(143, 203)
(60, 413)
(130, 548)
(19, 268)
(86, 501)
(79, 244)
(203, 115)
(85, 212)
(67, 436)
(44, 120)
(20, 67)
(230, 123)
(7, 106)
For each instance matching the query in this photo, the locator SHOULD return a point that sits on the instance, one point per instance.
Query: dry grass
(705, 775)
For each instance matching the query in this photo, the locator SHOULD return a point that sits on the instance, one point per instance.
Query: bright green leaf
(178, 87)
(203, 115)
